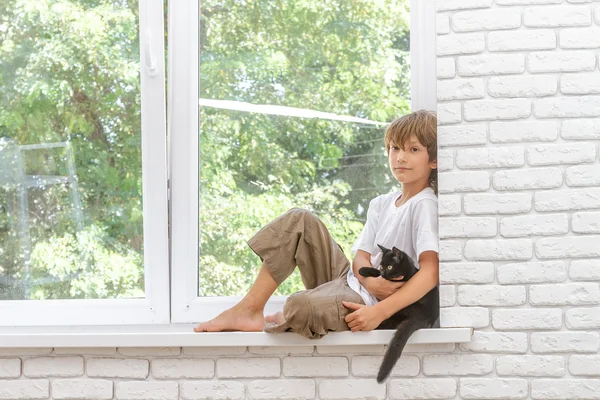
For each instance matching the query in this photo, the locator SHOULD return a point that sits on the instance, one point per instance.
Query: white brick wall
(519, 134)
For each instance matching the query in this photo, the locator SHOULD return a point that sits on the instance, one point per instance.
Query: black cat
(397, 266)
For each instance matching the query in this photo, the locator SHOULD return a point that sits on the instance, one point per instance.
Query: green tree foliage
(69, 71)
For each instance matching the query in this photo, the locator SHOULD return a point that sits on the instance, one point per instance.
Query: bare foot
(276, 318)
(237, 318)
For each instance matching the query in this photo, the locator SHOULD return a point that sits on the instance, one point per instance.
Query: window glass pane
(345, 58)
(70, 150)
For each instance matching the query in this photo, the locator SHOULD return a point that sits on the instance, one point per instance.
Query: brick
(285, 350)
(461, 317)
(457, 364)
(492, 19)
(182, 368)
(10, 368)
(494, 64)
(463, 43)
(530, 178)
(522, 86)
(436, 348)
(351, 389)
(467, 227)
(584, 83)
(448, 5)
(248, 367)
(558, 389)
(446, 67)
(149, 351)
(493, 388)
(505, 109)
(523, 131)
(31, 389)
(557, 16)
(570, 247)
(581, 129)
(563, 61)
(24, 351)
(585, 270)
(301, 389)
(491, 295)
(491, 157)
(445, 160)
(512, 203)
(523, 318)
(586, 222)
(565, 342)
(449, 113)
(460, 89)
(442, 25)
(430, 388)
(567, 200)
(534, 225)
(466, 272)
(73, 389)
(580, 38)
(525, 2)
(144, 390)
(532, 272)
(462, 135)
(496, 342)
(583, 318)
(539, 39)
(449, 204)
(563, 153)
(530, 366)
(452, 182)
(213, 390)
(566, 107)
(450, 250)
(498, 250)
(368, 366)
(575, 294)
(53, 366)
(315, 366)
(117, 368)
(343, 350)
(583, 175)
(584, 365)
(447, 295)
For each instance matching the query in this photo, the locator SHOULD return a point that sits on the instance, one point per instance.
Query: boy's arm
(378, 287)
(361, 259)
(415, 288)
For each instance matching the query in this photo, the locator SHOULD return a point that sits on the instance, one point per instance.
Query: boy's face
(410, 164)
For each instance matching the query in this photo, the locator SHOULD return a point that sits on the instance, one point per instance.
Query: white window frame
(186, 305)
(154, 308)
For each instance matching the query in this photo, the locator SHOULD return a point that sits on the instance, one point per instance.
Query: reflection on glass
(294, 96)
(70, 150)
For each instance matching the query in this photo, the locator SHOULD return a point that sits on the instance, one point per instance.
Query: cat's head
(396, 264)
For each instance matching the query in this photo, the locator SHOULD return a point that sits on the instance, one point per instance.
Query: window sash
(154, 308)
(186, 305)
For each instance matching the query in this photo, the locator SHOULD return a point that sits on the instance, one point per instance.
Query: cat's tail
(405, 329)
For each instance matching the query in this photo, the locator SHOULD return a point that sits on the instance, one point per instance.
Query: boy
(337, 297)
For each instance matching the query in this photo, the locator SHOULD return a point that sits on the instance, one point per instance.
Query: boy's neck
(409, 191)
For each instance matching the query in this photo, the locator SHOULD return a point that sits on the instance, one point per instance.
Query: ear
(433, 164)
(383, 248)
(397, 252)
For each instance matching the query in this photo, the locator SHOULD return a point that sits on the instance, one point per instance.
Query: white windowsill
(181, 335)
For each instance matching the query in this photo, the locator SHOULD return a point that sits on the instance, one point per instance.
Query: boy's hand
(381, 288)
(363, 318)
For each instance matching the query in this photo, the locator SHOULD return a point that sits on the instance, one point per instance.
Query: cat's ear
(384, 249)
(397, 252)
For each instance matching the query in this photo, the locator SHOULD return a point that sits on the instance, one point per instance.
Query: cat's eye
(389, 267)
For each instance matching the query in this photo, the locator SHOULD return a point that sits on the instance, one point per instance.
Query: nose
(400, 156)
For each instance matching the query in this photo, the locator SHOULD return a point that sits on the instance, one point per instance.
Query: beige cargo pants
(299, 238)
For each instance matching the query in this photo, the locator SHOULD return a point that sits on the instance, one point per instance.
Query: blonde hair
(422, 125)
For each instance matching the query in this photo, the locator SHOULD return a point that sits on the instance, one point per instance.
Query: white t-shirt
(412, 227)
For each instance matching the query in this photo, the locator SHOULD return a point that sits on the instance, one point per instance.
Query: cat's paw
(369, 272)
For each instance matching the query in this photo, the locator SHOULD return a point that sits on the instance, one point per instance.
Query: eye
(414, 149)
(395, 148)
(389, 267)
